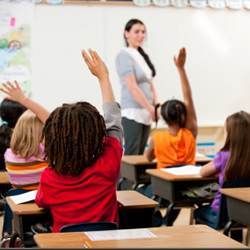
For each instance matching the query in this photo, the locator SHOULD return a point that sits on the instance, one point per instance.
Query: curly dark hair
(74, 136)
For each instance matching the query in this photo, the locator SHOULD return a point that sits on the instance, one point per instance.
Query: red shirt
(90, 197)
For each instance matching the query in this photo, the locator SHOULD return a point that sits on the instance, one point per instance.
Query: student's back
(174, 150)
(230, 163)
(175, 145)
(87, 197)
(24, 159)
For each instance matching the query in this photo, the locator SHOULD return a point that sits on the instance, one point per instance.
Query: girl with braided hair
(84, 151)
(176, 144)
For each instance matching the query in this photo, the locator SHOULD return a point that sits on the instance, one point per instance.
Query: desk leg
(248, 236)
(18, 224)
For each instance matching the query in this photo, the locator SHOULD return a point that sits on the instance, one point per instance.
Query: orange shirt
(174, 150)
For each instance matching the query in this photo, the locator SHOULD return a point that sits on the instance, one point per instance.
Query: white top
(139, 115)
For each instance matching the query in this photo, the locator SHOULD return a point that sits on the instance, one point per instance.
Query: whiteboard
(217, 43)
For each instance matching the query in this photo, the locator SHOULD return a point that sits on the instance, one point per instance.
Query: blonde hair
(27, 135)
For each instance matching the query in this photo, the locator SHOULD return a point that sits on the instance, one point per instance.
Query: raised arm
(15, 93)
(191, 122)
(112, 112)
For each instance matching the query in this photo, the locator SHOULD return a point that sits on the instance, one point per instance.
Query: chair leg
(171, 215)
(227, 228)
(135, 186)
(119, 184)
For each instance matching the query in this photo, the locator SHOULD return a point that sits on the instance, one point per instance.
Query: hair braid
(74, 137)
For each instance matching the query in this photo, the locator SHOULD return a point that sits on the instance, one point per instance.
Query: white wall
(217, 42)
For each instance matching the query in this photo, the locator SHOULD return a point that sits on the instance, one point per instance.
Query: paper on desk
(120, 234)
(26, 197)
(184, 170)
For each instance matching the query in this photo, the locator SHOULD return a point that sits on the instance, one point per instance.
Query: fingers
(86, 57)
(4, 91)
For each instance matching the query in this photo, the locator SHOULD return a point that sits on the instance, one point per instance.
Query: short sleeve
(124, 64)
(220, 160)
(40, 199)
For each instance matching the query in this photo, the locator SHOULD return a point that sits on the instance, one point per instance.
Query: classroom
(124, 124)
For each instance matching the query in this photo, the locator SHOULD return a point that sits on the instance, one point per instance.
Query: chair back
(90, 226)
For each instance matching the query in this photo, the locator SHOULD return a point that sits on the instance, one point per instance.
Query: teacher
(138, 95)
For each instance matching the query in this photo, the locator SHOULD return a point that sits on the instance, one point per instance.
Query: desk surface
(24, 209)
(194, 236)
(142, 160)
(137, 160)
(237, 193)
(4, 178)
(128, 199)
(133, 199)
(171, 177)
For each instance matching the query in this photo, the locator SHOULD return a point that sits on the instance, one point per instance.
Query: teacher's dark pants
(136, 136)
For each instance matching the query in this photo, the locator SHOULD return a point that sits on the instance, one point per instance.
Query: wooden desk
(134, 168)
(194, 236)
(238, 204)
(170, 187)
(135, 209)
(21, 212)
(4, 178)
(134, 200)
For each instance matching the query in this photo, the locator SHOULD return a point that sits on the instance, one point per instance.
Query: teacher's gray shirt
(126, 65)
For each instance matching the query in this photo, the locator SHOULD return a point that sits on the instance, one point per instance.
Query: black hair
(10, 111)
(174, 112)
(128, 27)
(74, 135)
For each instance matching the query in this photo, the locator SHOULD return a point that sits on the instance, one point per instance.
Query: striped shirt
(24, 173)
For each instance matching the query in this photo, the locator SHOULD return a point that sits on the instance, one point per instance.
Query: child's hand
(180, 59)
(95, 64)
(13, 91)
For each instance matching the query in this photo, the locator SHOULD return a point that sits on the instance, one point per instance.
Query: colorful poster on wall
(15, 42)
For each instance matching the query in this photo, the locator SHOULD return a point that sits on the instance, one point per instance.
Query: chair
(222, 220)
(90, 226)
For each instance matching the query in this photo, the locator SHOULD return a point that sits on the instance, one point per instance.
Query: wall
(217, 44)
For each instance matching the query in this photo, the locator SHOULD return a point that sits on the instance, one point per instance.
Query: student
(84, 153)
(24, 159)
(10, 111)
(230, 163)
(176, 144)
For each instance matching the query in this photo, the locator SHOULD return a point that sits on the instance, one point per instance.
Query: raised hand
(181, 58)
(95, 64)
(13, 91)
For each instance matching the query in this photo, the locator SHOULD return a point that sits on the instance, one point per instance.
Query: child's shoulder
(9, 155)
(111, 141)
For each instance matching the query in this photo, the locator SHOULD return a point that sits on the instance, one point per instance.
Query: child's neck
(173, 130)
